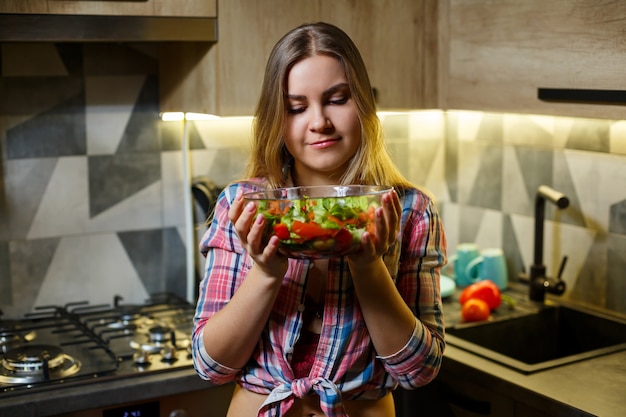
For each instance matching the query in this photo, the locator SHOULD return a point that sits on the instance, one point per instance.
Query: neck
(313, 178)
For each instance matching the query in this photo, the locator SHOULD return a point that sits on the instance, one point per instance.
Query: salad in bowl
(318, 221)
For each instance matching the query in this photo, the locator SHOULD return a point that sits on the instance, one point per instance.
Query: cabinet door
(247, 32)
(199, 8)
(394, 38)
(452, 396)
(21, 6)
(501, 52)
(225, 78)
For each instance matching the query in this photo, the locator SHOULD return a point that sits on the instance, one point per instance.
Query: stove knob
(179, 413)
(169, 354)
(141, 357)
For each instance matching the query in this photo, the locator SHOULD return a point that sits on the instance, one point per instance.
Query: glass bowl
(318, 221)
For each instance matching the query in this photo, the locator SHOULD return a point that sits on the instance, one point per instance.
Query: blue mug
(490, 265)
(465, 253)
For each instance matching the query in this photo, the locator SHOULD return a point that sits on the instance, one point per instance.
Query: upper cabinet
(197, 8)
(500, 53)
(398, 42)
(247, 32)
(394, 38)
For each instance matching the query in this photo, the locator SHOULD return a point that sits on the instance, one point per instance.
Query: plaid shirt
(346, 365)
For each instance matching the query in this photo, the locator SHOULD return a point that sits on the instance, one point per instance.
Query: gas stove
(80, 343)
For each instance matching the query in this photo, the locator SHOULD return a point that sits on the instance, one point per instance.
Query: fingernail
(250, 207)
(259, 219)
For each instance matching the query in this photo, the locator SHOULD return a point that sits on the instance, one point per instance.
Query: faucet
(539, 283)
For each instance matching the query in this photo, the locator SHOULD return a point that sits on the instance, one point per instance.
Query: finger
(368, 246)
(392, 205)
(397, 205)
(383, 231)
(235, 208)
(255, 234)
(394, 216)
(271, 248)
(244, 222)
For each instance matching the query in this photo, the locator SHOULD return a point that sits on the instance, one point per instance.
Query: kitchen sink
(551, 336)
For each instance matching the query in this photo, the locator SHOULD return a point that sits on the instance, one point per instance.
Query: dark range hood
(96, 28)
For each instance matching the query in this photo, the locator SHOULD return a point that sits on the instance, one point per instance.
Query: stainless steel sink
(552, 336)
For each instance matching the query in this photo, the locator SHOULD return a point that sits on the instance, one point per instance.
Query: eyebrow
(328, 92)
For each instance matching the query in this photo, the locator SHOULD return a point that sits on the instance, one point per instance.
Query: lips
(324, 143)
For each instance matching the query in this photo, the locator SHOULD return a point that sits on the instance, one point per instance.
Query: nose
(319, 120)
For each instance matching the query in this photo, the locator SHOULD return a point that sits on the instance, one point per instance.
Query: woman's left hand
(387, 222)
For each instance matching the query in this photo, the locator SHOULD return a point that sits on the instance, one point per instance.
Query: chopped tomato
(281, 230)
(309, 230)
(371, 228)
(274, 208)
(343, 240)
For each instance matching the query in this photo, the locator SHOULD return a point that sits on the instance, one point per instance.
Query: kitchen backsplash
(91, 196)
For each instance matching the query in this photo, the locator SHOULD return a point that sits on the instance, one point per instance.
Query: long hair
(371, 164)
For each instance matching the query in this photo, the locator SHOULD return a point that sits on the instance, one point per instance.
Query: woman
(328, 337)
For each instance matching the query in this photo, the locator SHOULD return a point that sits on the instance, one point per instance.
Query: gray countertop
(41, 403)
(595, 386)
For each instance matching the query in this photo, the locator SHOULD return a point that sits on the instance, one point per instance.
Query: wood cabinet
(394, 37)
(398, 41)
(499, 54)
(198, 8)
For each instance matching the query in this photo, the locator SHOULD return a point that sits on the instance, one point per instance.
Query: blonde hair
(371, 163)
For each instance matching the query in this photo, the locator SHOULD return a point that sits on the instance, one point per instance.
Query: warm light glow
(384, 113)
(200, 116)
(172, 116)
(178, 116)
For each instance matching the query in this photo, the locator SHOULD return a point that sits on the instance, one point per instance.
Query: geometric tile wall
(485, 174)
(574, 156)
(91, 192)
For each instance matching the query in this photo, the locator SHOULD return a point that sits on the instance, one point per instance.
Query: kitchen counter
(595, 386)
(591, 387)
(105, 394)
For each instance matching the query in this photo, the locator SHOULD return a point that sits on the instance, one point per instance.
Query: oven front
(211, 402)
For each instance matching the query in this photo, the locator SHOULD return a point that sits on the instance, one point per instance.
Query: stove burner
(159, 338)
(10, 338)
(160, 333)
(81, 342)
(35, 363)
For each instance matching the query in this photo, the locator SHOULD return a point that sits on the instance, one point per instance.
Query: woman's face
(322, 131)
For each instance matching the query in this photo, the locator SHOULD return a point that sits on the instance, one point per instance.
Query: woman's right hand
(249, 228)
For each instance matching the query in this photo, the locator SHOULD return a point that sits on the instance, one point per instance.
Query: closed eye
(339, 101)
(296, 110)
(336, 95)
